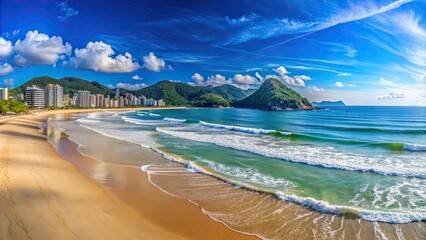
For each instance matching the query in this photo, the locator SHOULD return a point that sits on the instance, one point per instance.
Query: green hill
(274, 95)
(70, 85)
(173, 93)
(210, 100)
(230, 93)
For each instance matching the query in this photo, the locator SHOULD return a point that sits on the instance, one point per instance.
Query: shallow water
(323, 175)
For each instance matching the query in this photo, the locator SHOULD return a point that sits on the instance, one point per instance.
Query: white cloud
(259, 76)
(153, 63)
(303, 77)
(344, 74)
(8, 82)
(39, 48)
(385, 82)
(98, 56)
(281, 70)
(217, 80)
(393, 95)
(285, 78)
(137, 77)
(5, 69)
(5, 47)
(19, 61)
(128, 86)
(316, 89)
(352, 85)
(339, 84)
(198, 79)
(239, 80)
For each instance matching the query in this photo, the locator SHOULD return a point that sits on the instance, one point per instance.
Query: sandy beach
(44, 196)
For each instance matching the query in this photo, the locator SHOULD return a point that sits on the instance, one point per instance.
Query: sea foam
(174, 120)
(373, 216)
(307, 154)
(241, 129)
(415, 147)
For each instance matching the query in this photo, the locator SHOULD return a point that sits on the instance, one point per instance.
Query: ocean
(357, 163)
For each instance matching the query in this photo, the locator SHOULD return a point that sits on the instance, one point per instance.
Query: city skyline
(361, 52)
(52, 96)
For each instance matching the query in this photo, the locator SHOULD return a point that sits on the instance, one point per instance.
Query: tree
(14, 106)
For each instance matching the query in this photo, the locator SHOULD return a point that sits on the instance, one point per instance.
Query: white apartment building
(4, 94)
(53, 95)
(83, 99)
(34, 97)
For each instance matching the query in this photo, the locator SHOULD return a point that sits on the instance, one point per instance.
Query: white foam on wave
(85, 120)
(414, 147)
(250, 178)
(368, 215)
(142, 138)
(248, 174)
(148, 114)
(241, 129)
(139, 122)
(397, 165)
(174, 120)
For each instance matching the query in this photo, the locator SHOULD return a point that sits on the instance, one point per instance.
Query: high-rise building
(83, 99)
(121, 102)
(34, 97)
(20, 97)
(99, 100)
(53, 95)
(142, 100)
(4, 94)
(67, 100)
(117, 92)
(160, 103)
(93, 99)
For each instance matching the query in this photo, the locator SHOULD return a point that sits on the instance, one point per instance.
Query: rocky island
(274, 95)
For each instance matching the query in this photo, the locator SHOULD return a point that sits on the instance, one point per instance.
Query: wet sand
(44, 196)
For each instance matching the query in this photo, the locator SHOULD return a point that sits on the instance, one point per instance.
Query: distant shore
(45, 196)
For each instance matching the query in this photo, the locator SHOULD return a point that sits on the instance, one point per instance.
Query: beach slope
(46, 197)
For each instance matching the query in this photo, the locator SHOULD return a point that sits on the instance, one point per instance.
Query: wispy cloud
(399, 33)
(66, 10)
(385, 82)
(265, 28)
(344, 74)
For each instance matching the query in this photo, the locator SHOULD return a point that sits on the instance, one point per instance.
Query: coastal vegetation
(210, 100)
(173, 93)
(12, 106)
(230, 93)
(70, 85)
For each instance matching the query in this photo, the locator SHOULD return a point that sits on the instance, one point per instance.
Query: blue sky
(362, 52)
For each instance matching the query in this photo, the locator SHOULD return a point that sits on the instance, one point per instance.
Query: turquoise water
(368, 162)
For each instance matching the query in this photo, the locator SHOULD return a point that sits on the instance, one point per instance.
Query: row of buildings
(53, 96)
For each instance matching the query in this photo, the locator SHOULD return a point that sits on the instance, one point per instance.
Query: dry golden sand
(44, 196)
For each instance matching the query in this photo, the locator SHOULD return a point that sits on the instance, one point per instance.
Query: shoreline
(366, 228)
(153, 219)
(194, 218)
